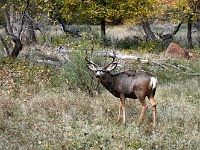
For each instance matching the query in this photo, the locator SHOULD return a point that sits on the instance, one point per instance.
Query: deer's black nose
(97, 76)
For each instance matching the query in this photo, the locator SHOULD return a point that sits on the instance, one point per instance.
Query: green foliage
(142, 10)
(151, 46)
(136, 43)
(2, 19)
(187, 9)
(128, 43)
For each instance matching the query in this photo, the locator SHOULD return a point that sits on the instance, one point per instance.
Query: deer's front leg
(122, 103)
(120, 109)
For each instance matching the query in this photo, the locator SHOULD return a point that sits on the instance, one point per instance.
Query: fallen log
(159, 64)
(183, 67)
(49, 62)
(173, 66)
(65, 52)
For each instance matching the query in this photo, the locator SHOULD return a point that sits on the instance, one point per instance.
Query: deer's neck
(107, 80)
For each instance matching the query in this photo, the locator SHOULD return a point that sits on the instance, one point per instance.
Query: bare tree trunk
(5, 45)
(177, 28)
(14, 29)
(63, 24)
(147, 29)
(9, 30)
(189, 34)
(17, 48)
(28, 33)
(103, 28)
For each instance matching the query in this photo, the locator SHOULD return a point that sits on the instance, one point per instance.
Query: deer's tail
(153, 83)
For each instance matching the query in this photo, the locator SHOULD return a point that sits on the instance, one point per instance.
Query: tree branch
(5, 45)
(23, 17)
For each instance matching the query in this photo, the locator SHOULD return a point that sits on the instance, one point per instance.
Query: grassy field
(40, 110)
(35, 116)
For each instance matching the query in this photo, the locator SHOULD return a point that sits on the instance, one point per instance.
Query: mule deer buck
(123, 85)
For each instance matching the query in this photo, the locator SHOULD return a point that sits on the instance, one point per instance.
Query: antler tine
(113, 58)
(86, 57)
(114, 54)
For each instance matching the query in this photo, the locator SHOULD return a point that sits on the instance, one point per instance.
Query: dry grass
(129, 31)
(52, 119)
(34, 116)
(123, 31)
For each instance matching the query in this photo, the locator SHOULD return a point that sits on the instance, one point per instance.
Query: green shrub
(151, 46)
(77, 76)
(140, 44)
(128, 43)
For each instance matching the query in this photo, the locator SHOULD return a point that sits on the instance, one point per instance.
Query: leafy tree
(63, 12)
(188, 10)
(142, 12)
(104, 11)
(192, 14)
(19, 20)
(94, 11)
(14, 35)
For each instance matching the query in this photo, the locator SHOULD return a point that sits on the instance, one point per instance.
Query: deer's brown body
(131, 86)
(123, 85)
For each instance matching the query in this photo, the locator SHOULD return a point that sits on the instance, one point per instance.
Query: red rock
(174, 50)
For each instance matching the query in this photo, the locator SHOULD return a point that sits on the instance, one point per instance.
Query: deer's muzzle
(98, 73)
(97, 76)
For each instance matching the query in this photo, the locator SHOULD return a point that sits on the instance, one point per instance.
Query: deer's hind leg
(153, 103)
(144, 109)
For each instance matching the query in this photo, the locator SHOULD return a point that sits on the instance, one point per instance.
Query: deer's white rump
(153, 82)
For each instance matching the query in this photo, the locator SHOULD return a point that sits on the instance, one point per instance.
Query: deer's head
(100, 71)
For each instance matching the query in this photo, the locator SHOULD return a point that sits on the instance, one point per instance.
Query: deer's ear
(111, 67)
(92, 67)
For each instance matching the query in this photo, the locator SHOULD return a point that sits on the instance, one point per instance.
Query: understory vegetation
(64, 107)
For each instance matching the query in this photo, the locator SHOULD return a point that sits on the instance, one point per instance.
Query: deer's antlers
(113, 58)
(90, 59)
(91, 62)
